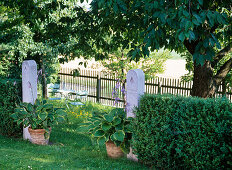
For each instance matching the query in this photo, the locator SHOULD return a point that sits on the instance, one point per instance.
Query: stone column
(135, 88)
(29, 86)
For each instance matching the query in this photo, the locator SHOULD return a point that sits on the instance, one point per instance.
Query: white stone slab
(135, 88)
(29, 86)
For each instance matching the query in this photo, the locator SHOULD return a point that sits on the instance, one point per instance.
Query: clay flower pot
(38, 136)
(113, 151)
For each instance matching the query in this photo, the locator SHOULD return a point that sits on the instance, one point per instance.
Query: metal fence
(100, 86)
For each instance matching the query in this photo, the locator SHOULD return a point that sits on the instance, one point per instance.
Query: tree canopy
(203, 28)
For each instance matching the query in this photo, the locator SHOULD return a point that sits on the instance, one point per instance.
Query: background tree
(118, 64)
(40, 30)
(203, 28)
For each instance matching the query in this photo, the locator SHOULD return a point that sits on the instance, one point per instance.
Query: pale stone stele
(29, 86)
(135, 88)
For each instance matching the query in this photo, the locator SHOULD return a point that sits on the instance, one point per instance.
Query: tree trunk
(44, 82)
(223, 88)
(204, 84)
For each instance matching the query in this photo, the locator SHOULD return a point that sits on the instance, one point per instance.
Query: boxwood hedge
(173, 132)
(10, 96)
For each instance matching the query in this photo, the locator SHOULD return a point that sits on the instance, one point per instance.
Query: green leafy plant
(112, 126)
(41, 115)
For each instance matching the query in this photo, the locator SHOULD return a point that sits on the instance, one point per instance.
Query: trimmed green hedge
(10, 96)
(172, 132)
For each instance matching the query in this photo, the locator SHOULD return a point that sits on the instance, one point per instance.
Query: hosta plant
(41, 115)
(112, 126)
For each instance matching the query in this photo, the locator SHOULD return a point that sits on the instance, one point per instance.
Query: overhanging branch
(221, 54)
(223, 71)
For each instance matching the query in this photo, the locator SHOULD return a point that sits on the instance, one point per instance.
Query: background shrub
(172, 132)
(10, 96)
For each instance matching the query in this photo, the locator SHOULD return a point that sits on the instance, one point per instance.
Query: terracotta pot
(113, 151)
(37, 136)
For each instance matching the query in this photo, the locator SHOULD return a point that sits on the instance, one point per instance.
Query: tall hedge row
(10, 96)
(172, 132)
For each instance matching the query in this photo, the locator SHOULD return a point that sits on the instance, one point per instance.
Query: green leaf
(196, 22)
(211, 18)
(101, 141)
(117, 112)
(60, 119)
(112, 138)
(119, 126)
(48, 106)
(115, 7)
(109, 118)
(220, 19)
(76, 72)
(97, 123)
(61, 112)
(211, 42)
(106, 126)
(195, 56)
(206, 43)
(107, 137)
(117, 121)
(187, 25)
(198, 18)
(19, 122)
(51, 117)
(39, 108)
(119, 135)
(125, 147)
(128, 128)
(43, 115)
(181, 36)
(30, 107)
(200, 60)
(99, 133)
(117, 143)
(23, 112)
(186, 13)
(45, 123)
(37, 102)
(33, 125)
(191, 35)
(14, 116)
(44, 101)
(156, 14)
(91, 126)
(200, 2)
(155, 4)
(218, 45)
(26, 122)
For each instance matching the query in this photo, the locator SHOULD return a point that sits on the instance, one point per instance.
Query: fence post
(29, 87)
(159, 88)
(135, 88)
(98, 88)
(159, 85)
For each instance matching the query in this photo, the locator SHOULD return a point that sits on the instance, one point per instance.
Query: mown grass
(71, 148)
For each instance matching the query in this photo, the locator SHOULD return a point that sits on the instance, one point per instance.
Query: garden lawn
(71, 148)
